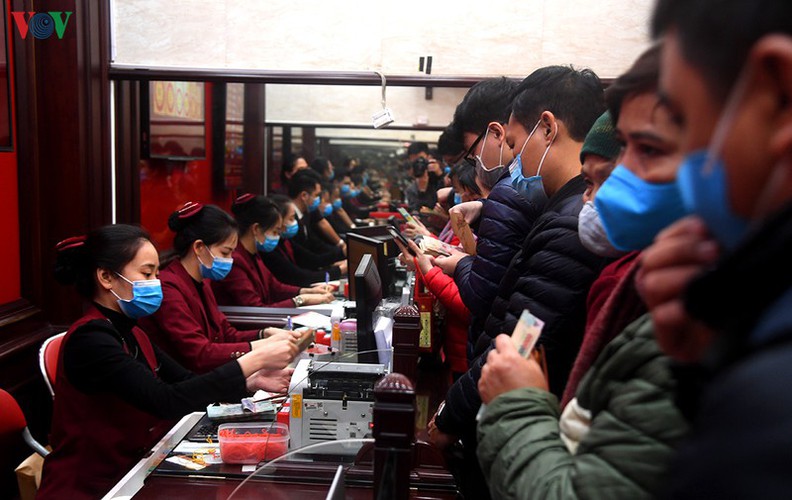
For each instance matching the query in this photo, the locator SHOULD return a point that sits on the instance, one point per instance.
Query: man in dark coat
(551, 275)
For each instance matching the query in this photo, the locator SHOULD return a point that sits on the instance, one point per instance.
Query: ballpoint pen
(288, 323)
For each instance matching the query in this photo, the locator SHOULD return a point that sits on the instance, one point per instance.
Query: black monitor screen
(369, 295)
(358, 246)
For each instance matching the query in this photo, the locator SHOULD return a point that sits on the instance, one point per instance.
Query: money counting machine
(331, 401)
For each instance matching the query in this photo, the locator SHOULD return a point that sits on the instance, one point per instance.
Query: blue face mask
(269, 244)
(221, 266)
(328, 209)
(314, 205)
(633, 211)
(354, 193)
(457, 198)
(365, 180)
(704, 191)
(291, 230)
(531, 188)
(146, 298)
(331, 176)
(447, 170)
(345, 189)
(337, 204)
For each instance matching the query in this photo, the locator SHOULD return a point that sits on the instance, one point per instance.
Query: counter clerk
(250, 282)
(189, 326)
(117, 393)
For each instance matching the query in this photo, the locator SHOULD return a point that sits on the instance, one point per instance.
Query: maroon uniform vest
(96, 438)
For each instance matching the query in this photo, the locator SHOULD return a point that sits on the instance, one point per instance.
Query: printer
(332, 401)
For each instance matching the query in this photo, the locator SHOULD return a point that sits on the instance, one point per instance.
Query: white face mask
(592, 233)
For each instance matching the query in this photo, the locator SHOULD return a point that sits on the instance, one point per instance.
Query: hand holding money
(510, 365)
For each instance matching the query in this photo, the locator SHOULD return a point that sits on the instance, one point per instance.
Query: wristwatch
(298, 300)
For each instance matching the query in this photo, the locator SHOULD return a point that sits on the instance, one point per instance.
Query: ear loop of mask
(481, 152)
(547, 150)
(517, 160)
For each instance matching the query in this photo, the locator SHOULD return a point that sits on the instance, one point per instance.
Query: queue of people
(645, 226)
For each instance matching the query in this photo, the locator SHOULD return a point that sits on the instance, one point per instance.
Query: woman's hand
(505, 370)
(317, 289)
(270, 380)
(312, 299)
(273, 353)
(342, 266)
(413, 229)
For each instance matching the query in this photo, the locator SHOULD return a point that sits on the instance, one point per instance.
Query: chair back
(48, 360)
(12, 421)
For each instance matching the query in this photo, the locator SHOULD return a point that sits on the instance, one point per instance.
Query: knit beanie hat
(601, 139)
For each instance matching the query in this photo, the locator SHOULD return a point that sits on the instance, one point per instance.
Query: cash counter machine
(330, 400)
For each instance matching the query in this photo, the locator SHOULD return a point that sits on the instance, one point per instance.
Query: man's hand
(505, 370)
(439, 438)
(680, 253)
(449, 264)
(470, 210)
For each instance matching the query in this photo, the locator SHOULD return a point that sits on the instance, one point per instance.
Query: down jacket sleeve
(505, 220)
(634, 430)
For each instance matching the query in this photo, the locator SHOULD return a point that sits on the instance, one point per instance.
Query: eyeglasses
(470, 155)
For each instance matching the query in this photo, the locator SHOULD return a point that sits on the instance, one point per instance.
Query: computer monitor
(378, 232)
(358, 246)
(369, 295)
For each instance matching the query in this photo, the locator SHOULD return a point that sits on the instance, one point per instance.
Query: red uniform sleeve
(197, 349)
(237, 290)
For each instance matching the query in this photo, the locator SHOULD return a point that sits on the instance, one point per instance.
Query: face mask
(592, 233)
(702, 181)
(633, 211)
(221, 266)
(447, 170)
(291, 230)
(331, 176)
(480, 161)
(531, 188)
(328, 209)
(345, 189)
(457, 198)
(355, 192)
(314, 205)
(269, 244)
(146, 298)
(336, 204)
(365, 180)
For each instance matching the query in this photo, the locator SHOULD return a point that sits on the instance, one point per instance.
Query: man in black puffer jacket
(506, 216)
(551, 275)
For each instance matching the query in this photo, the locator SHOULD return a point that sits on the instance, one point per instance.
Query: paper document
(312, 319)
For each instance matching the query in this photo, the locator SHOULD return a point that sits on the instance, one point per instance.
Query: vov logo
(42, 24)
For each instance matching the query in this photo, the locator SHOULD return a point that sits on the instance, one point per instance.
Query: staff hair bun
(72, 255)
(179, 219)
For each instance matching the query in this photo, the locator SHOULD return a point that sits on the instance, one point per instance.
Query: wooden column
(406, 333)
(394, 435)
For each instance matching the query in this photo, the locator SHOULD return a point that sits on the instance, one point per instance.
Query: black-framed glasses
(469, 154)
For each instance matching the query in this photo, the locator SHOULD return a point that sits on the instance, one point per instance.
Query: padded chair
(48, 360)
(12, 421)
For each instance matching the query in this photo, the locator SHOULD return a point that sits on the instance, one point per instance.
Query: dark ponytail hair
(110, 247)
(249, 209)
(196, 221)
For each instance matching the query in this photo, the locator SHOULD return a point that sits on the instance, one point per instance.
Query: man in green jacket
(617, 437)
